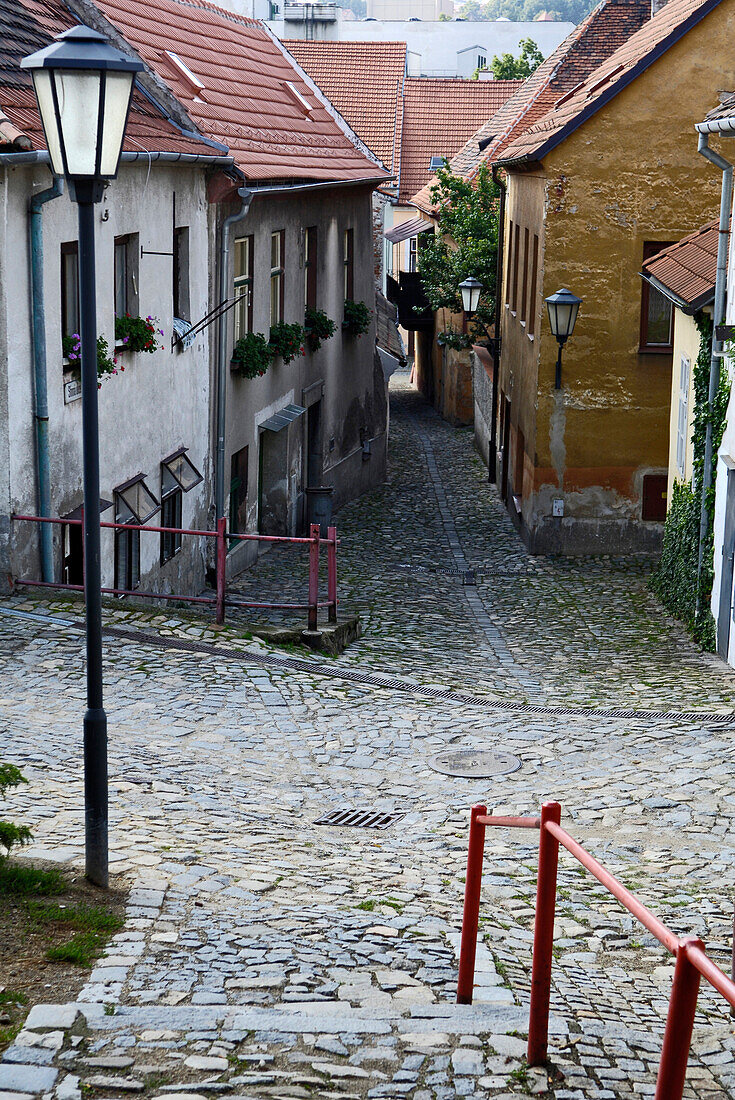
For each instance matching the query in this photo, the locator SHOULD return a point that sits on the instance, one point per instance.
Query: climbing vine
(675, 579)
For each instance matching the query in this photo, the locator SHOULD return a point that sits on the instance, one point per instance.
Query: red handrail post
(221, 568)
(332, 573)
(471, 913)
(543, 937)
(313, 575)
(679, 1023)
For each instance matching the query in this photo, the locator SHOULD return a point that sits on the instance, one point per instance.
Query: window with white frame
(681, 429)
(278, 241)
(243, 285)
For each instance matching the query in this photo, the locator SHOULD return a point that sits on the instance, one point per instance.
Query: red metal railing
(220, 600)
(691, 960)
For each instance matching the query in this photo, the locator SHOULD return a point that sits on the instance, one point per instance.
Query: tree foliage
(570, 11)
(11, 834)
(505, 66)
(467, 242)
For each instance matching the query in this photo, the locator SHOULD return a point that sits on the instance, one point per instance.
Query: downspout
(40, 387)
(719, 311)
(219, 485)
(492, 458)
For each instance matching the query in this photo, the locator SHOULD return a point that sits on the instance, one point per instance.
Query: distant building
(451, 48)
(409, 9)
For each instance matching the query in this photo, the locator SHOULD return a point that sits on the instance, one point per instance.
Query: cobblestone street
(267, 956)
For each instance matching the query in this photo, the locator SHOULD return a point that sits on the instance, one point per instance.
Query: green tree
(467, 243)
(571, 11)
(10, 834)
(505, 66)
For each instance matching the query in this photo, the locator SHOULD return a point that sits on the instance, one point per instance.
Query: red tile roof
(364, 81)
(606, 28)
(29, 25)
(439, 115)
(640, 51)
(687, 270)
(252, 96)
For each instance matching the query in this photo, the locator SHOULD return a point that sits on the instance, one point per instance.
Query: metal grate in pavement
(359, 819)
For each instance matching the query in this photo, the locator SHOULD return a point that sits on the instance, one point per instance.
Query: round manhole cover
(474, 763)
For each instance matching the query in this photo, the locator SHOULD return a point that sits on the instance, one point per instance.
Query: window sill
(668, 351)
(517, 501)
(530, 336)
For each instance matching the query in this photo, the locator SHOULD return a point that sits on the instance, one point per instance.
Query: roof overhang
(688, 307)
(613, 89)
(407, 229)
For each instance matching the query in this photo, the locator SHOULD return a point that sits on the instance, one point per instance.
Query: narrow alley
(267, 955)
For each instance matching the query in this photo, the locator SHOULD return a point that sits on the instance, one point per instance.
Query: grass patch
(368, 905)
(21, 880)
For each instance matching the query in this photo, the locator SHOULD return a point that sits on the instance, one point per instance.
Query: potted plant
(106, 363)
(356, 318)
(137, 333)
(318, 327)
(287, 341)
(252, 355)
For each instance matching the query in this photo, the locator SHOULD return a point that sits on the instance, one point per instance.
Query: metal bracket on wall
(208, 319)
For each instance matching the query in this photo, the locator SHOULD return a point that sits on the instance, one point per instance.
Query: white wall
(156, 405)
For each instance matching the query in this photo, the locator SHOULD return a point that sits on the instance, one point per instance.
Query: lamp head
(83, 86)
(563, 307)
(470, 290)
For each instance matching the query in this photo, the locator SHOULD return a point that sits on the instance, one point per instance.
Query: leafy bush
(252, 355)
(450, 338)
(356, 318)
(11, 835)
(318, 327)
(138, 333)
(287, 341)
(675, 579)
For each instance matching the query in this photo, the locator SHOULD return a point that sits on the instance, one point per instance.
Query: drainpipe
(40, 388)
(719, 311)
(219, 486)
(493, 455)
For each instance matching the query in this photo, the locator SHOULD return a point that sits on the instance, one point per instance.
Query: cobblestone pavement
(268, 956)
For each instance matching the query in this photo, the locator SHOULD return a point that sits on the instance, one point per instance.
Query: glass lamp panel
(78, 95)
(553, 318)
(42, 85)
(118, 89)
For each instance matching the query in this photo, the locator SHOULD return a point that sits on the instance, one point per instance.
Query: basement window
(138, 499)
(180, 471)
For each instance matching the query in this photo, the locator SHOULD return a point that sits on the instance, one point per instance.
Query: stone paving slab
(266, 956)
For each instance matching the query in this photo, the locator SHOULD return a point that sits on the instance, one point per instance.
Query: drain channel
(358, 819)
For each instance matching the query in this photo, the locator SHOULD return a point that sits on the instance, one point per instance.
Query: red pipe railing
(220, 600)
(691, 960)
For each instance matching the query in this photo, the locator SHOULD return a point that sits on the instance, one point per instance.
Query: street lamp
(563, 307)
(84, 87)
(470, 290)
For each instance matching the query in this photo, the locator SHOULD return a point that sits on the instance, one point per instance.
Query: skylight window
(436, 162)
(298, 96)
(184, 71)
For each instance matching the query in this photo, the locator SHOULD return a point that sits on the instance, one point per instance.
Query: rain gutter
(719, 312)
(40, 386)
(40, 156)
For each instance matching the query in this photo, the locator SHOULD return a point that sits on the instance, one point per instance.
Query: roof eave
(688, 307)
(625, 79)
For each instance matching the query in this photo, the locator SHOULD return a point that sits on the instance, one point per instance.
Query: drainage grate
(359, 819)
(474, 763)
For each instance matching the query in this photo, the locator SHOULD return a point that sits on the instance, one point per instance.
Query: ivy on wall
(675, 579)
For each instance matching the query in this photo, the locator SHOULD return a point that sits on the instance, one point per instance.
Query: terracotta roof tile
(364, 81)
(245, 102)
(439, 116)
(688, 269)
(31, 24)
(657, 35)
(605, 29)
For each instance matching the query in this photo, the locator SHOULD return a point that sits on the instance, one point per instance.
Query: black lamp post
(470, 289)
(563, 307)
(84, 87)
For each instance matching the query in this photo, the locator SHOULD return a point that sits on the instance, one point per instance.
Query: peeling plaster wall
(342, 373)
(628, 175)
(156, 405)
